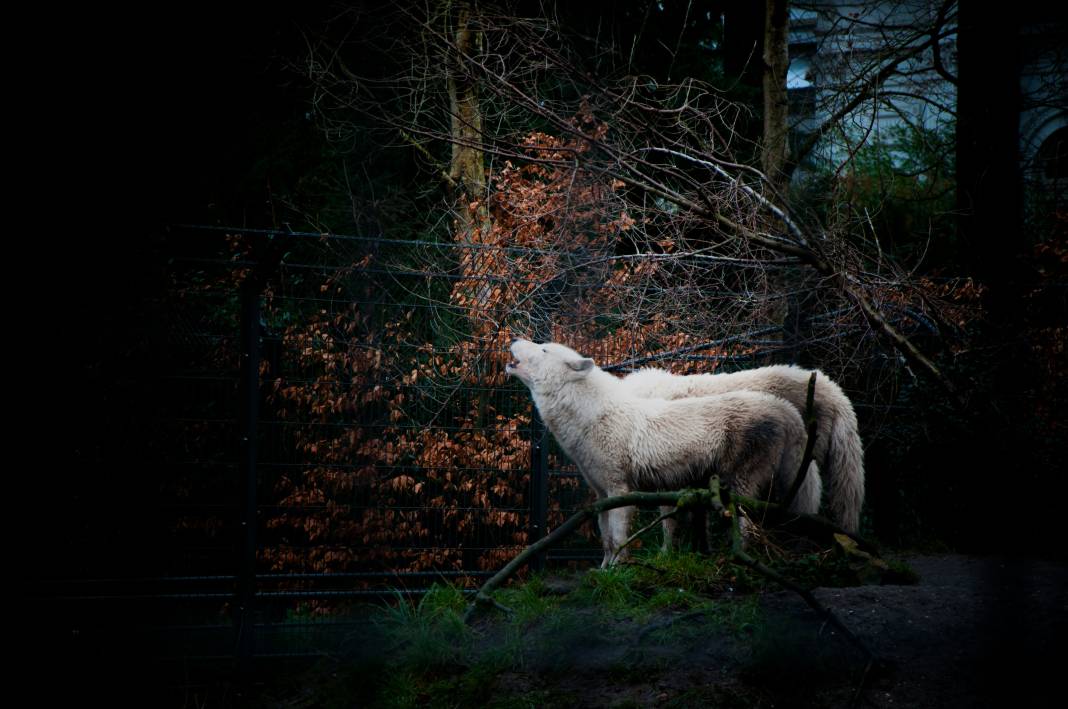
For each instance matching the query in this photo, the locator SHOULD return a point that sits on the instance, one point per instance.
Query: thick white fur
(622, 442)
(838, 452)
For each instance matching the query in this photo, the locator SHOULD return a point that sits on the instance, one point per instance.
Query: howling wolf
(622, 442)
(837, 453)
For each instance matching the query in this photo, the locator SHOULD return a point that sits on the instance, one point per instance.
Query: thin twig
(643, 530)
(738, 554)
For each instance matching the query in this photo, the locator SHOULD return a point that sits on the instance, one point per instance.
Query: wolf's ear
(581, 365)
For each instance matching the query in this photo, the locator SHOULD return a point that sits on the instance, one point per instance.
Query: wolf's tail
(844, 470)
(808, 495)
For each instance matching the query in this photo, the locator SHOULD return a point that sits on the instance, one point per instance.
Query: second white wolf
(838, 452)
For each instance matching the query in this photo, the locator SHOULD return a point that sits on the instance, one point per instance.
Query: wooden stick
(739, 555)
(784, 517)
(810, 442)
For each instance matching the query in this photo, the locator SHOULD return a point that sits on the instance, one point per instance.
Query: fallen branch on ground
(680, 498)
(713, 499)
(710, 498)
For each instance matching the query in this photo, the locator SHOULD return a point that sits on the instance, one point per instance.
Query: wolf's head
(547, 365)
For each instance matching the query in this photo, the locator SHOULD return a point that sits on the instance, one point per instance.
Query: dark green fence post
(539, 485)
(249, 398)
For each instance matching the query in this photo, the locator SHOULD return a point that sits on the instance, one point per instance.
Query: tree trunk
(467, 170)
(775, 151)
(774, 154)
(467, 177)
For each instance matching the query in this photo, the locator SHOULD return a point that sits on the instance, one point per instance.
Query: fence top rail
(271, 233)
(526, 250)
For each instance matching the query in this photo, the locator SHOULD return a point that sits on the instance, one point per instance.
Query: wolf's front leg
(604, 521)
(671, 526)
(619, 529)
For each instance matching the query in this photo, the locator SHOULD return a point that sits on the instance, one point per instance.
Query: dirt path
(974, 632)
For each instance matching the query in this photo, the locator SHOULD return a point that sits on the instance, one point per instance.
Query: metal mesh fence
(376, 445)
(391, 452)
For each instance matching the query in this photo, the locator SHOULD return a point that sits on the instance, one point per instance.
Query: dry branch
(632, 161)
(810, 442)
(681, 499)
(710, 498)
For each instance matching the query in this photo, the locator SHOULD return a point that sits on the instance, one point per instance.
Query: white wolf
(838, 452)
(621, 442)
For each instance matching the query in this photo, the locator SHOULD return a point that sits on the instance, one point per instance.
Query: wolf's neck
(577, 406)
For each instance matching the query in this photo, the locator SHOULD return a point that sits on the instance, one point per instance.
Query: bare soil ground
(974, 632)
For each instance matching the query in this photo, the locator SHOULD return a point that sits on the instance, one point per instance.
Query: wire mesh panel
(378, 446)
(392, 452)
(390, 439)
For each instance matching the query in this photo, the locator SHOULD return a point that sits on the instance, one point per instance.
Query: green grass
(654, 583)
(626, 622)
(529, 600)
(427, 633)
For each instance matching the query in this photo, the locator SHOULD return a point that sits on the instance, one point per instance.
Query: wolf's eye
(544, 350)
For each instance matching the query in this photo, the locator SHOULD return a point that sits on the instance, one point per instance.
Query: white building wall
(837, 45)
(836, 49)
